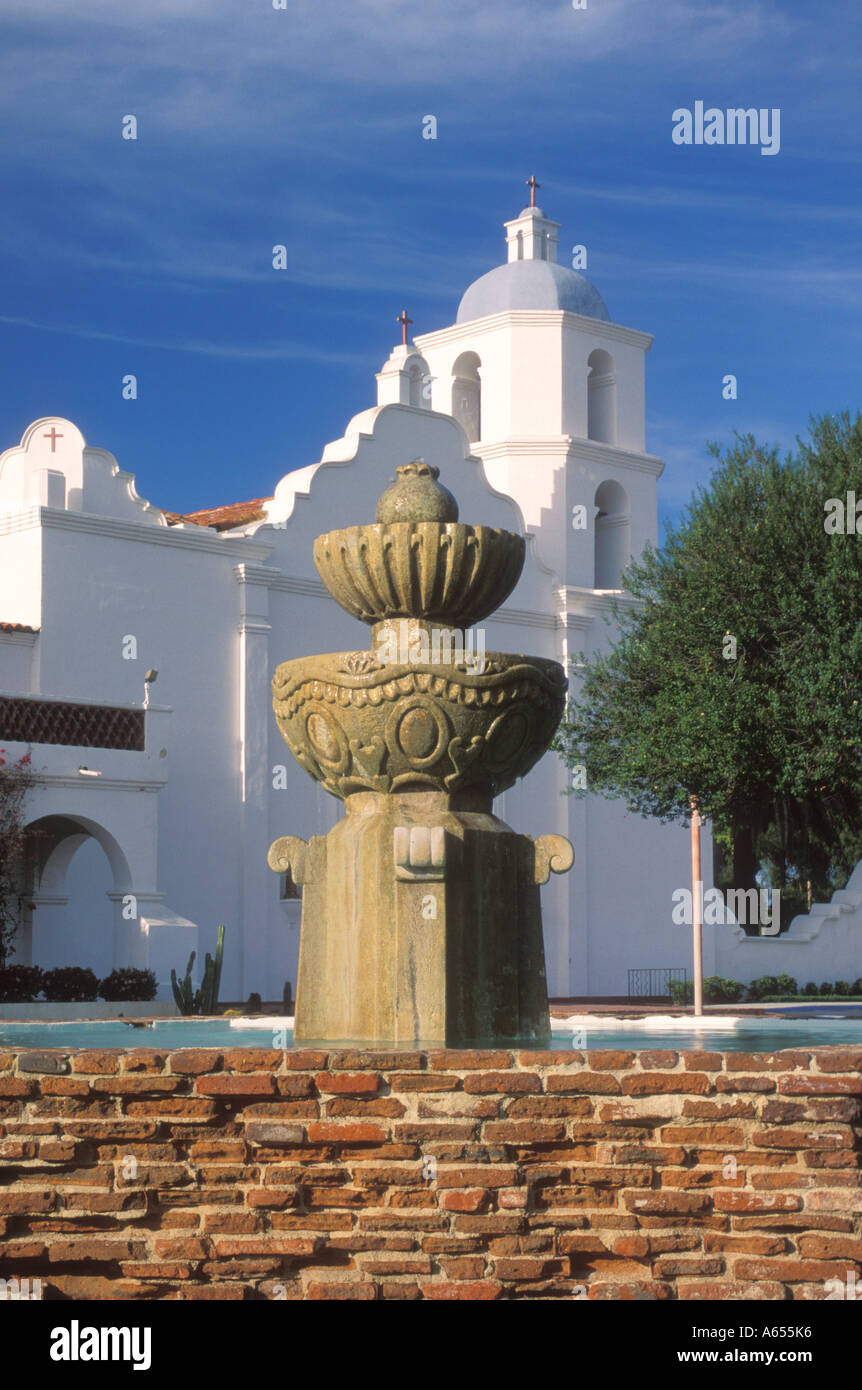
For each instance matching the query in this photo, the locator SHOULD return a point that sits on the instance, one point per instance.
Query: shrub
(827, 987)
(857, 986)
(842, 987)
(681, 991)
(763, 985)
(717, 990)
(786, 985)
(70, 984)
(255, 1004)
(129, 983)
(19, 984)
(811, 988)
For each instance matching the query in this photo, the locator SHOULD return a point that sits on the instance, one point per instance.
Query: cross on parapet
(403, 320)
(53, 436)
(532, 185)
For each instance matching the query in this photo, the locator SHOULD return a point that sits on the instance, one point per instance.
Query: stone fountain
(421, 919)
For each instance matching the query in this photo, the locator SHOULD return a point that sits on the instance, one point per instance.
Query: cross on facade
(403, 320)
(53, 436)
(532, 185)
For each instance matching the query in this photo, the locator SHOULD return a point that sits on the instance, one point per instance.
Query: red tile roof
(222, 518)
(17, 627)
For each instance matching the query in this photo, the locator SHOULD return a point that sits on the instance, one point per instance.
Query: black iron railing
(654, 982)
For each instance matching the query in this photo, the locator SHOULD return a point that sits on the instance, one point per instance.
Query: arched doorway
(75, 910)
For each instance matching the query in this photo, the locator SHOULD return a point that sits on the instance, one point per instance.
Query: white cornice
(18, 639)
(512, 318)
(573, 448)
(578, 602)
(197, 538)
(84, 700)
(97, 784)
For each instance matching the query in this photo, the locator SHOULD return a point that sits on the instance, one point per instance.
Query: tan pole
(696, 909)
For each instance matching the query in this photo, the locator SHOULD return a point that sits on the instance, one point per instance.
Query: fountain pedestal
(421, 919)
(421, 914)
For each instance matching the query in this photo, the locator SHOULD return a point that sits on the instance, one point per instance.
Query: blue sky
(303, 126)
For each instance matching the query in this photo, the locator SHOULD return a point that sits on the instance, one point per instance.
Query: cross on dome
(532, 185)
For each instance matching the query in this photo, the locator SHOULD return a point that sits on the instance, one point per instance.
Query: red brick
(523, 1267)
(336, 1132)
(296, 1084)
(724, 1244)
(703, 1061)
(661, 1203)
(511, 1132)
(756, 1201)
(331, 1291)
(27, 1202)
(424, 1081)
(719, 1290)
(471, 1199)
(502, 1083)
(222, 1084)
(839, 1059)
(658, 1058)
(792, 1271)
(17, 1148)
(585, 1082)
(94, 1251)
(757, 1062)
(611, 1061)
(482, 1175)
(653, 1084)
(830, 1248)
(95, 1062)
(298, 1246)
(145, 1059)
(463, 1266)
(248, 1059)
(180, 1249)
(347, 1083)
(16, 1086)
(468, 1061)
(820, 1085)
(196, 1061)
(135, 1085)
(473, 1291)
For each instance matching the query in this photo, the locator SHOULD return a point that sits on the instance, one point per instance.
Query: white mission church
(157, 809)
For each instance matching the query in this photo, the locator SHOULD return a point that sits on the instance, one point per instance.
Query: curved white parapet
(820, 945)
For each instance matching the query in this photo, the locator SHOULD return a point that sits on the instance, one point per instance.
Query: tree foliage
(15, 781)
(765, 730)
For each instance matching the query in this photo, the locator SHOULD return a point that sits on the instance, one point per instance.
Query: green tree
(737, 675)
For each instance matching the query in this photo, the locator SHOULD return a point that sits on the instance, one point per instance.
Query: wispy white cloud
(275, 352)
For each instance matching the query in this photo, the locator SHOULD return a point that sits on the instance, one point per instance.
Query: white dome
(531, 284)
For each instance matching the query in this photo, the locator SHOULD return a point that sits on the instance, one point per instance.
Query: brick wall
(442, 1175)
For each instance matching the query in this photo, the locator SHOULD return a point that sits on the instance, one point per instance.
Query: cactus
(209, 990)
(205, 999)
(186, 1000)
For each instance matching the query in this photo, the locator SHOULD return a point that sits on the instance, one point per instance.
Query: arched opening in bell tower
(601, 398)
(467, 394)
(613, 534)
